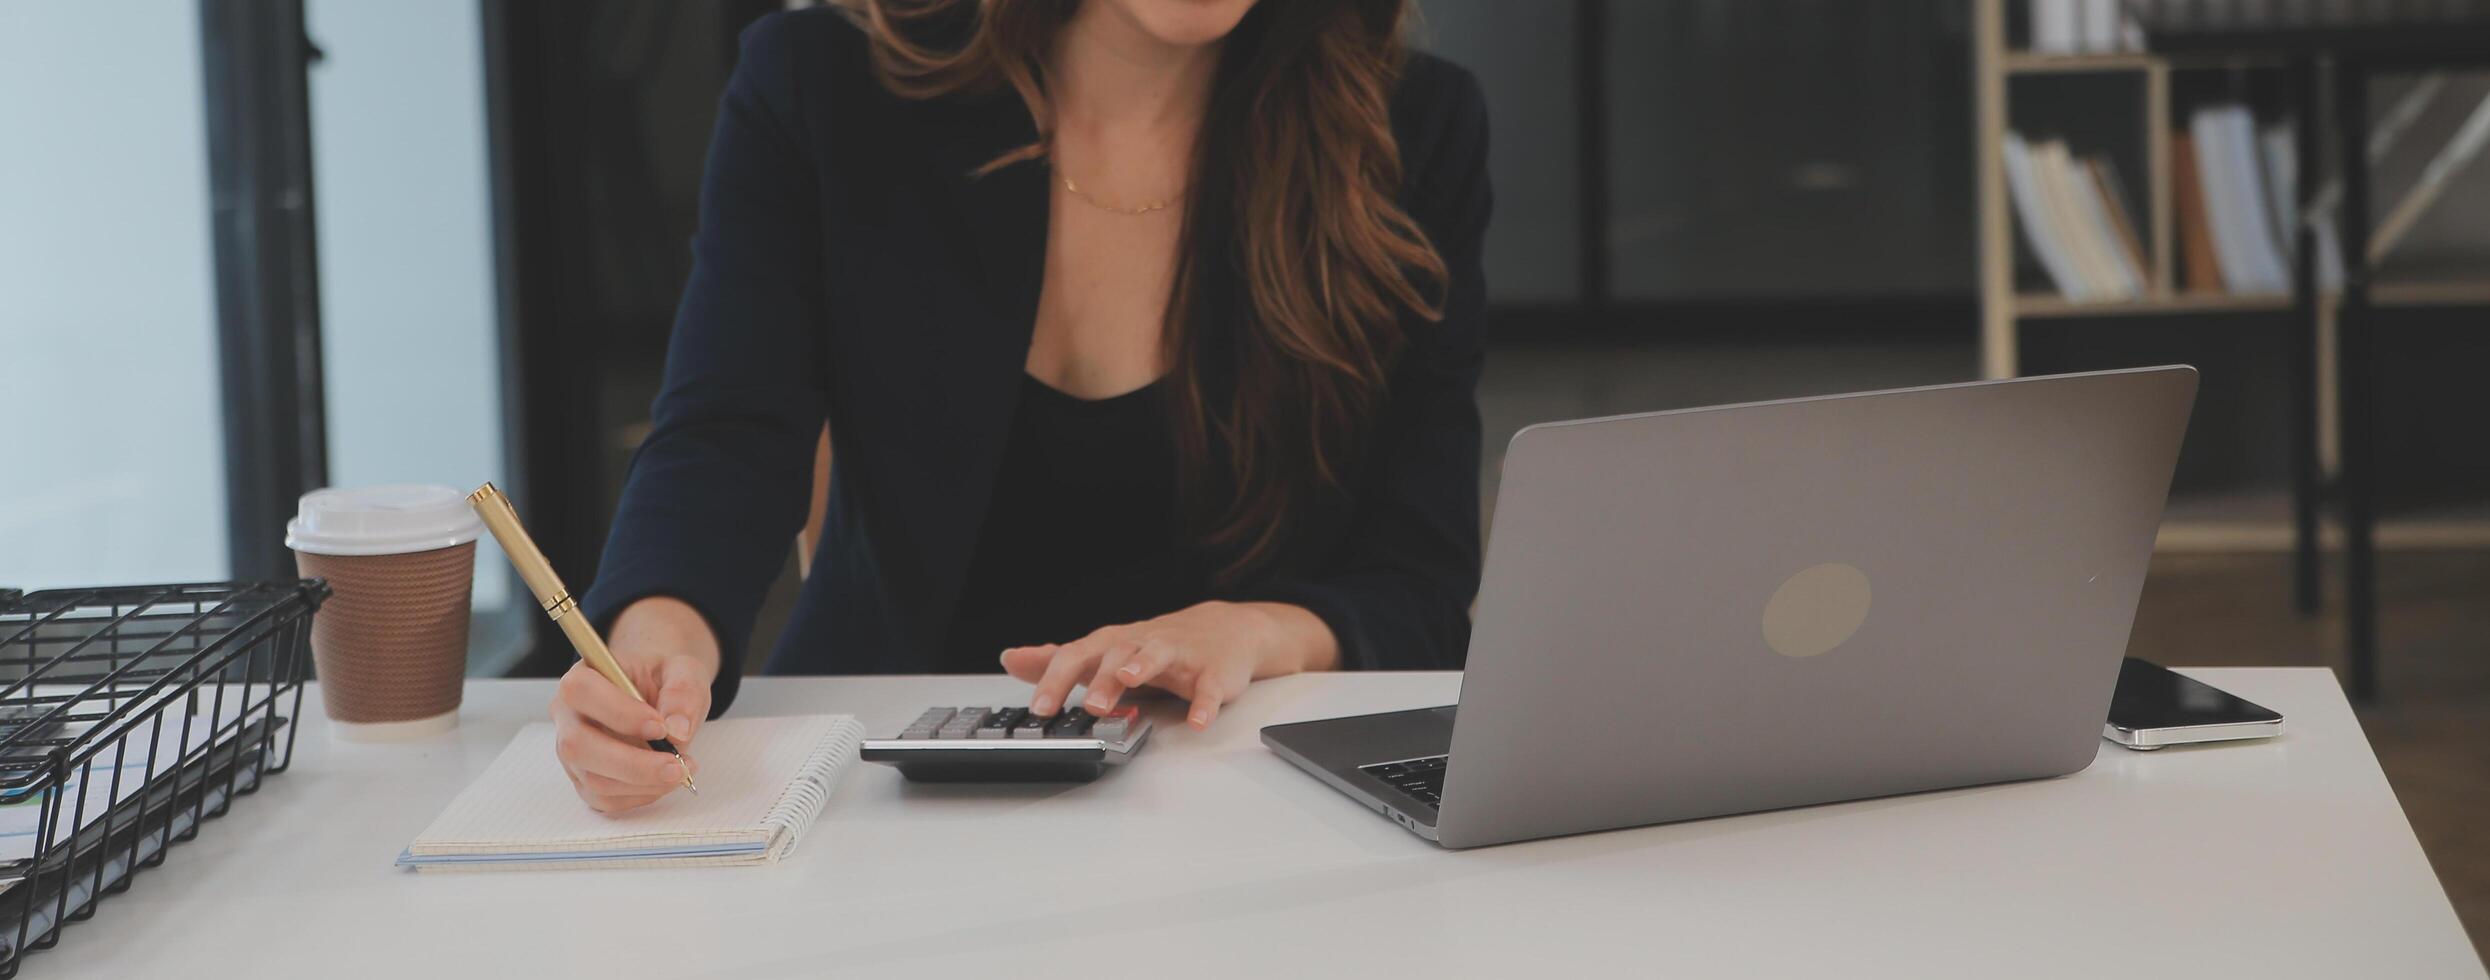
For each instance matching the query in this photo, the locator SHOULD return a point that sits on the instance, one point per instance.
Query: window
(113, 467)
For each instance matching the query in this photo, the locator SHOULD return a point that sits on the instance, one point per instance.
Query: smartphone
(2155, 707)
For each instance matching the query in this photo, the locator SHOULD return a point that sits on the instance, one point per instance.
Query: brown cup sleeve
(391, 642)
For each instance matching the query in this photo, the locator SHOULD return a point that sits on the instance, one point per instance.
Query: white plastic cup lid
(394, 519)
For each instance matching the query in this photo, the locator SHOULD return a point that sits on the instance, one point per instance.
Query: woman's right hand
(601, 734)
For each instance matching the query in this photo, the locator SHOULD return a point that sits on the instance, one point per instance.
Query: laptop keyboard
(1422, 778)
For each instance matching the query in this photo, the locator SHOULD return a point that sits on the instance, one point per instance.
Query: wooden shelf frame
(2048, 305)
(1994, 69)
(2038, 63)
(2034, 63)
(2003, 310)
(2412, 293)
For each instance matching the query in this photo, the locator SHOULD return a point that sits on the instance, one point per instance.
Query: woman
(1146, 332)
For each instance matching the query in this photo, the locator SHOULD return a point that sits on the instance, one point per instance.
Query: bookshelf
(2211, 524)
(1996, 67)
(2325, 57)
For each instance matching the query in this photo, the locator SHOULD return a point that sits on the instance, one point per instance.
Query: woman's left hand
(1205, 654)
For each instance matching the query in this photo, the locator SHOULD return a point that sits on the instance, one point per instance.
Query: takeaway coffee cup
(391, 642)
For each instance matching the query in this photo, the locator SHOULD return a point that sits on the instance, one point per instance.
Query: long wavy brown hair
(1291, 202)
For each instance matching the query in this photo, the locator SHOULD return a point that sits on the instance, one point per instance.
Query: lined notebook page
(762, 781)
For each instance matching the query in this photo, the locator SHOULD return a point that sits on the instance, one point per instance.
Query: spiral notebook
(763, 781)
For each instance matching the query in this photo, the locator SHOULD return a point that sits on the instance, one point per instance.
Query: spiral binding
(800, 803)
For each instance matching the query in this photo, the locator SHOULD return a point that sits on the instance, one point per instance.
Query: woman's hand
(1205, 653)
(602, 735)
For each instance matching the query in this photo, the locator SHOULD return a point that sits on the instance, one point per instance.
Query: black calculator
(1010, 745)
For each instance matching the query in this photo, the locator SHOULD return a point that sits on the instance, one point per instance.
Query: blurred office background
(449, 249)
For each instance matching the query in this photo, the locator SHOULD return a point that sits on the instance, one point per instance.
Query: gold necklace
(1076, 191)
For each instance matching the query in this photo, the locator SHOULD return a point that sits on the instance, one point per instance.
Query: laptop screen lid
(1712, 611)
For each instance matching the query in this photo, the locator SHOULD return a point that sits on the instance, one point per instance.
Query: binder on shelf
(2068, 222)
(2278, 150)
(2233, 216)
(2235, 199)
(2082, 27)
(2120, 278)
(2279, 165)
(2038, 223)
(2200, 270)
(2122, 221)
(2057, 26)
(2073, 217)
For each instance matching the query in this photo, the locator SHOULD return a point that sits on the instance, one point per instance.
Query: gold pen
(503, 521)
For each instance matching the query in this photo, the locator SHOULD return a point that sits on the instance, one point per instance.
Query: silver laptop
(1719, 610)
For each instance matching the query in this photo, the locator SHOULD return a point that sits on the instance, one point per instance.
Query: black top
(849, 269)
(1082, 532)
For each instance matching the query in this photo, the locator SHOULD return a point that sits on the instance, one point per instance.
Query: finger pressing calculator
(1010, 745)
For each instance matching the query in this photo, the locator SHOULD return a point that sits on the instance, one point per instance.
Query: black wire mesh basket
(129, 717)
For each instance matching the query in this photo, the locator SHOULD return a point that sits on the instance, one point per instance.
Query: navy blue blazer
(848, 269)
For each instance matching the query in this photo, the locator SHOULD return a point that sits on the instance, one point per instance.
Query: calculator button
(1074, 724)
(962, 725)
(1116, 724)
(926, 724)
(1032, 725)
(1000, 723)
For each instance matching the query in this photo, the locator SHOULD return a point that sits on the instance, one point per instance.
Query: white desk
(1211, 857)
